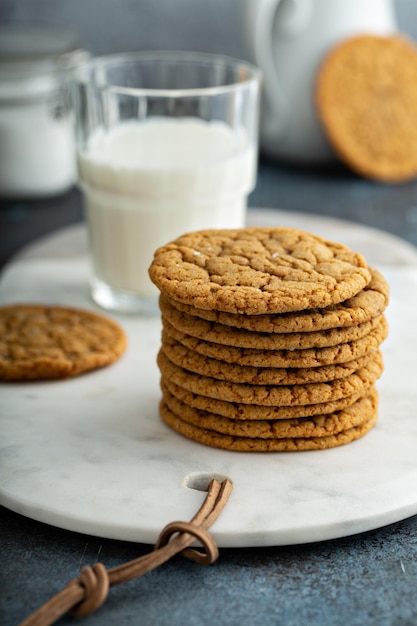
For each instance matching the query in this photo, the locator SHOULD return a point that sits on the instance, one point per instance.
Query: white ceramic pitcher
(287, 40)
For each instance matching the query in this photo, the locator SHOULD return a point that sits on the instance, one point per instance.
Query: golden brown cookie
(367, 304)
(232, 372)
(252, 444)
(241, 338)
(366, 98)
(312, 357)
(315, 426)
(235, 410)
(273, 395)
(258, 271)
(45, 342)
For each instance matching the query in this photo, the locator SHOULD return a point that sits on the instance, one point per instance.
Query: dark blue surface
(356, 581)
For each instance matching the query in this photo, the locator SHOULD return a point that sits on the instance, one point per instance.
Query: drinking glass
(166, 143)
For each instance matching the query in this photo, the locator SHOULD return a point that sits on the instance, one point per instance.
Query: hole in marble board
(201, 480)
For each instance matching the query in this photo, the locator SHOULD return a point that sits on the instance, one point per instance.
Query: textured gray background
(121, 25)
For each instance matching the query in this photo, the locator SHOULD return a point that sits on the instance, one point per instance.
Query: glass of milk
(166, 144)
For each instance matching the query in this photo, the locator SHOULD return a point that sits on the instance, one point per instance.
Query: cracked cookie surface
(46, 342)
(258, 270)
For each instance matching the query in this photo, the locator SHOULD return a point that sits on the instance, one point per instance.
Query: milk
(146, 182)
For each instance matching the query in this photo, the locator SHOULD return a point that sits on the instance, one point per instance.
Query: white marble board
(90, 454)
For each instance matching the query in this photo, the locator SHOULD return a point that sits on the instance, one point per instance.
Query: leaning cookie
(366, 98)
(39, 342)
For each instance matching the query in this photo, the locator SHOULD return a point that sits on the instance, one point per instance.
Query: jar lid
(33, 43)
(32, 57)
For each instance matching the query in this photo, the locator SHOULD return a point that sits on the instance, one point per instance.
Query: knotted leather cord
(84, 595)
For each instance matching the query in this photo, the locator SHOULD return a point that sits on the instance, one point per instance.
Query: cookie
(46, 342)
(200, 364)
(257, 271)
(312, 357)
(316, 426)
(366, 95)
(273, 395)
(235, 410)
(367, 304)
(241, 338)
(252, 444)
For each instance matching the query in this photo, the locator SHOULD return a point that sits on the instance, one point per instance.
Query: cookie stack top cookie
(256, 271)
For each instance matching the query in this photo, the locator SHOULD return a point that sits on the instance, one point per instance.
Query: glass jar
(37, 156)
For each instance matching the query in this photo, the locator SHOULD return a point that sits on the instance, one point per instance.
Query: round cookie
(48, 342)
(367, 304)
(232, 372)
(257, 270)
(273, 395)
(249, 444)
(237, 411)
(316, 426)
(240, 338)
(312, 357)
(366, 95)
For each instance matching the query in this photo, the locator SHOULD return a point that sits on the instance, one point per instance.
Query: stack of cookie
(270, 339)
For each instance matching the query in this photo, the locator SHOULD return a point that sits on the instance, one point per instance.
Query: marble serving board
(90, 454)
